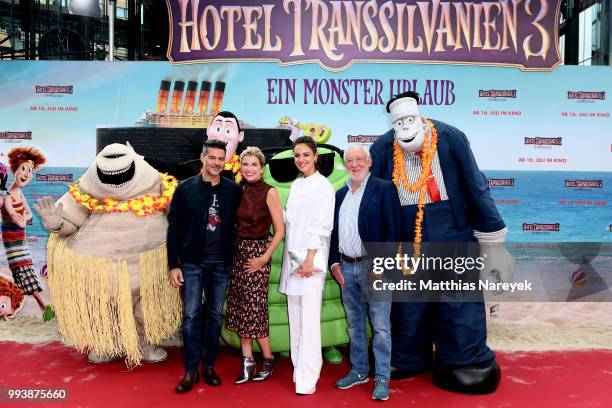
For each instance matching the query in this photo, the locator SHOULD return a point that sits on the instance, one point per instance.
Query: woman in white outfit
(309, 222)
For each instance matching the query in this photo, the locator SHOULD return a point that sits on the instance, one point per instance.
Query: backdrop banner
(541, 138)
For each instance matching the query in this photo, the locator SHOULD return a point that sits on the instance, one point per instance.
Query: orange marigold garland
(401, 175)
(234, 166)
(140, 206)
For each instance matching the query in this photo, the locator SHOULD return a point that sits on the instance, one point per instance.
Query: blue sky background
(116, 94)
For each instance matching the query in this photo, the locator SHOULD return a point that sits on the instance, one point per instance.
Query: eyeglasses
(283, 169)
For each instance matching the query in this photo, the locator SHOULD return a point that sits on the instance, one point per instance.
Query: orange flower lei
(141, 206)
(234, 166)
(400, 175)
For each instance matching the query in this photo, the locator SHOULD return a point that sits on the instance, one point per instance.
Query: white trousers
(305, 334)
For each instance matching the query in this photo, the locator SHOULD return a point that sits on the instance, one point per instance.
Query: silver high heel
(248, 370)
(266, 370)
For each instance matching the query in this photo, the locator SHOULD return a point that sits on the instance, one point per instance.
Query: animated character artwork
(11, 298)
(320, 133)
(16, 214)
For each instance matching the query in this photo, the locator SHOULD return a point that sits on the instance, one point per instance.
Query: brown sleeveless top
(254, 218)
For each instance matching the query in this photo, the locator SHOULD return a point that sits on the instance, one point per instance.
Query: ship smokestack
(204, 97)
(190, 97)
(217, 98)
(177, 97)
(162, 96)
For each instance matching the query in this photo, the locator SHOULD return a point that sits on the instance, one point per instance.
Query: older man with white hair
(367, 210)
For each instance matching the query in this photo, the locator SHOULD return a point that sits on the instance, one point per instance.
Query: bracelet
(57, 229)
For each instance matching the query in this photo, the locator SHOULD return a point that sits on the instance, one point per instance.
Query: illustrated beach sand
(520, 326)
(551, 326)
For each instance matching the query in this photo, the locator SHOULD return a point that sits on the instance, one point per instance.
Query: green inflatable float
(333, 319)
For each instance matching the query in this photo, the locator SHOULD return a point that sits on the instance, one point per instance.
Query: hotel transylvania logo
(362, 139)
(57, 178)
(335, 33)
(544, 141)
(581, 184)
(537, 227)
(54, 90)
(583, 96)
(16, 135)
(501, 182)
(497, 94)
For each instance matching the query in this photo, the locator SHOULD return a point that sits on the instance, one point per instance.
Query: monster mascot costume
(445, 198)
(108, 272)
(225, 127)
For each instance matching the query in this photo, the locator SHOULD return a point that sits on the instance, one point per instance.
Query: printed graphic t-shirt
(212, 236)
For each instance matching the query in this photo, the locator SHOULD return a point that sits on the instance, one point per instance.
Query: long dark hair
(308, 141)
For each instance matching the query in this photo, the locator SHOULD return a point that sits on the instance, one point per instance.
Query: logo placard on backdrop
(335, 34)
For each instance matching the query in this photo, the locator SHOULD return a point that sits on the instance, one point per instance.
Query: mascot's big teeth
(112, 173)
(117, 186)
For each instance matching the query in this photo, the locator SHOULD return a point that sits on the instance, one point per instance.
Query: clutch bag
(298, 255)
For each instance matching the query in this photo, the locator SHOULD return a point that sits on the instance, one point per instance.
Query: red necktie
(432, 187)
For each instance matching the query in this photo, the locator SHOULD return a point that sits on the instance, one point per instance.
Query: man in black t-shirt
(201, 233)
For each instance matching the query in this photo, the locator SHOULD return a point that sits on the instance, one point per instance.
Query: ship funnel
(177, 97)
(162, 96)
(190, 97)
(217, 98)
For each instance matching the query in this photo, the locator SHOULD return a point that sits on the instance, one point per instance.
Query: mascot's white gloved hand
(499, 264)
(295, 130)
(50, 214)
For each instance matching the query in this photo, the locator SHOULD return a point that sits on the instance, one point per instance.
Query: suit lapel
(388, 142)
(368, 192)
(366, 197)
(445, 161)
(342, 195)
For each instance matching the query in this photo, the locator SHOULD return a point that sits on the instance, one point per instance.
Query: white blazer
(309, 220)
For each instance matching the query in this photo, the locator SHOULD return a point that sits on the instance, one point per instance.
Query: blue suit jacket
(379, 218)
(467, 188)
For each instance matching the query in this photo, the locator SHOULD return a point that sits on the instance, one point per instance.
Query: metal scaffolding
(44, 29)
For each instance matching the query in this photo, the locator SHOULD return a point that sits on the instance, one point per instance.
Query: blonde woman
(247, 305)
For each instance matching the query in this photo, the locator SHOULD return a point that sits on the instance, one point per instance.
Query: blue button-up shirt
(350, 243)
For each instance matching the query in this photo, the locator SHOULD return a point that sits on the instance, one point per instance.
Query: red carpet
(534, 379)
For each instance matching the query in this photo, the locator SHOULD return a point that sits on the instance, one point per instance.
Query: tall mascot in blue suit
(445, 198)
